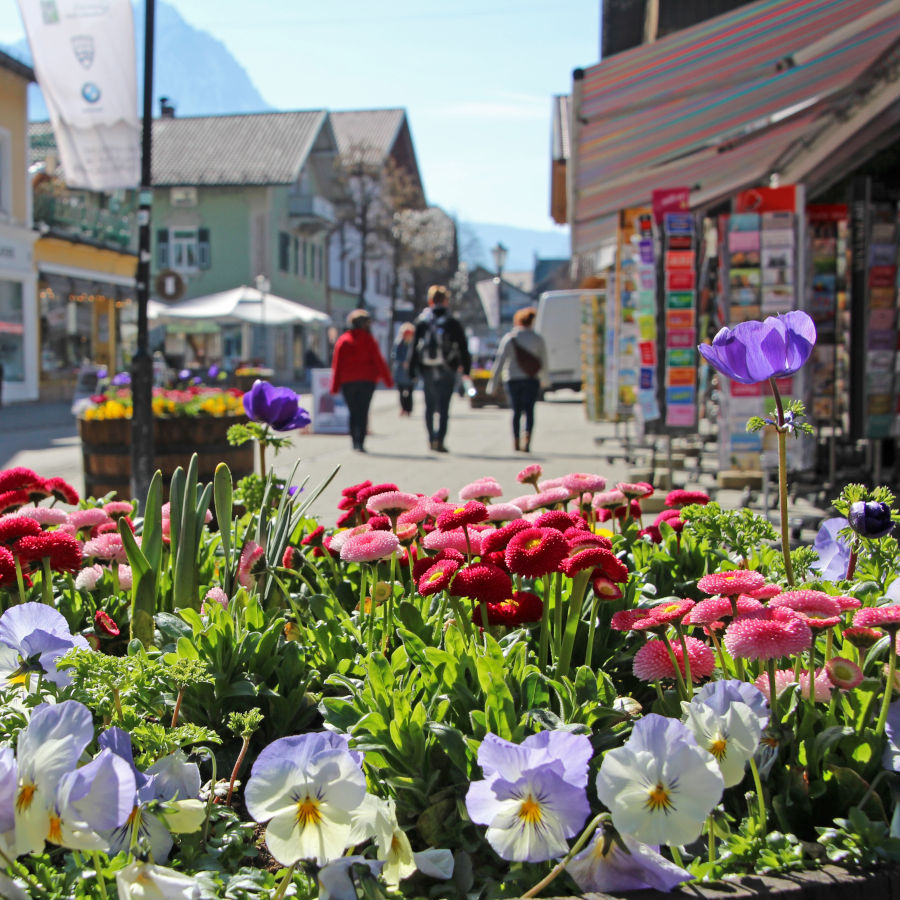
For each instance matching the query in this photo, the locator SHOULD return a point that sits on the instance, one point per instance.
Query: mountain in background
(200, 77)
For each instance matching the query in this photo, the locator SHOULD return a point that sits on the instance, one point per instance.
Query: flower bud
(870, 519)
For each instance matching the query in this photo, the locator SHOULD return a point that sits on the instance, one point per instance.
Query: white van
(559, 323)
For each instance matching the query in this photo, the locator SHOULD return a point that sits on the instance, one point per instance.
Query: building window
(303, 252)
(204, 258)
(284, 252)
(184, 249)
(352, 273)
(319, 263)
(12, 331)
(295, 255)
(162, 248)
(5, 172)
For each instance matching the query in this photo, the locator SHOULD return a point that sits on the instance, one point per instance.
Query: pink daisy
(887, 617)
(680, 498)
(818, 609)
(635, 490)
(846, 603)
(341, 537)
(251, 564)
(106, 546)
(45, 515)
(363, 494)
(782, 632)
(843, 673)
(862, 637)
(549, 483)
(116, 508)
(438, 540)
(672, 612)
(552, 496)
(784, 678)
(391, 503)
(708, 611)
(441, 494)
(482, 489)
(608, 500)
(605, 589)
(653, 663)
(527, 502)
(624, 619)
(126, 576)
(730, 584)
(88, 577)
(503, 512)
(87, 518)
(530, 474)
(405, 532)
(370, 546)
(766, 592)
(415, 515)
(583, 482)
(536, 551)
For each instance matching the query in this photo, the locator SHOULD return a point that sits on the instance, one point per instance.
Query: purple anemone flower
(870, 519)
(278, 407)
(122, 379)
(757, 351)
(213, 371)
(834, 551)
(184, 374)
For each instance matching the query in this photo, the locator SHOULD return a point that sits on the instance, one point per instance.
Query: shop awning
(714, 106)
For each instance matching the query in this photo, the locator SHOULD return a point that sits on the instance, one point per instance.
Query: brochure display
(329, 413)
(593, 352)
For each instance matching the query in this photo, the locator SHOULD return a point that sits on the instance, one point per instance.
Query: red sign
(668, 200)
(759, 200)
(827, 212)
(680, 280)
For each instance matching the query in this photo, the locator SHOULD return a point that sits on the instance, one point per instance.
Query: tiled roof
(373, 128)
(260, 148)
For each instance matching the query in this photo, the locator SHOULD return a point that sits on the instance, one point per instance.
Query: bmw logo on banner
(90, 92)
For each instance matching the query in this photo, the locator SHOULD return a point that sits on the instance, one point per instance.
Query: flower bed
(483, 698)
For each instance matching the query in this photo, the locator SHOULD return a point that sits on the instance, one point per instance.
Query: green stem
(782, 484)
(773, 693)
(368, 617)
(676, 856)
(389, 604)
(592, 628)
(688, 678)
(760, 799)
(889, 687)
(262, 459)
(237, 767)
(544, 641)
(101, 882)
(282, 888)
(573, 617)
(19, 579)
(560, 867)
(711, 839)
(462, 622)
(557, 616)
(682, 690)
(812, 671)
(46, 581)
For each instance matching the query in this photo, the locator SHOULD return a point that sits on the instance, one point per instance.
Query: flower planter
(106, 450)
(246, 381)
(478, 395)
(827, 883)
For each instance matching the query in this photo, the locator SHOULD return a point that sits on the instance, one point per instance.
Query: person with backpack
(521, 363)
(440, 351)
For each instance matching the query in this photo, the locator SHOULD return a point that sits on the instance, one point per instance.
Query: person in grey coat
(521, 364)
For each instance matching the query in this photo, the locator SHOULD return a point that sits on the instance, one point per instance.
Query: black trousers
(406, 398)
(358, 397)
(523, 394)
(438, 382)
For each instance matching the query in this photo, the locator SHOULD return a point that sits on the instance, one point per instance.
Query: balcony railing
(310, 209)
(73, 214)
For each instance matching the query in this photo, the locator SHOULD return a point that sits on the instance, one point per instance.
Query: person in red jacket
(357, 364)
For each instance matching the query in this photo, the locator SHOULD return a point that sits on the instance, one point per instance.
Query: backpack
(436, 346)
(528, 362)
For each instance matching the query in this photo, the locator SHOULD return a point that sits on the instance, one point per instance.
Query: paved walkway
(44, 437)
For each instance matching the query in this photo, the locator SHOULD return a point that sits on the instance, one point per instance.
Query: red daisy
(495, 558)
(652, 533)
(670, 517)
(625, 619)
(62, 490)
(818, 608)
(593, 558)
(730, 584)
(437, 577)
(18, 478)
(292, 558)
(781, 632)
(680, 498)
(861, 636)
(363, 494)
(635, 490)
(579, 539)
(62, 550)
(766, 592)
(887, 617)
(459, 516)
(314, 538)
(13, 527)
(354, 489)
(347, 519)
(536, 551)
(554, 518)
(12, 500)
(520, 609)
(379, 523)
(653, 663)
(613, 568)
(424, 563)
(104, 624)
(347, 503)
(634, 510)
(492, 541)
(844, 673)
(671, 612)
(604, 588)
(483, 582)
(7, 567)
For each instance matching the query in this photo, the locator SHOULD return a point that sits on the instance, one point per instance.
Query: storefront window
(12, 331)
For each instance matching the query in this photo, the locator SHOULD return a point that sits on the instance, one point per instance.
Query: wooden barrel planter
(106, 450)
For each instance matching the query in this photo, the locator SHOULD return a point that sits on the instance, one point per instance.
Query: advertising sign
(329, 413)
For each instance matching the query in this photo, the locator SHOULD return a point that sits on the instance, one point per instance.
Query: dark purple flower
(870, 519)
(196, 380)
(102, 372)
(122, 379)
(184, 374)
(757, 351)
(213, 371)
(834, 551)
(278, 407)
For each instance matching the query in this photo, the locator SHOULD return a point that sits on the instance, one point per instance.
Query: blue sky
(475, 76)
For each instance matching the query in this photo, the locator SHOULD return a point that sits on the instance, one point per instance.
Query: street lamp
(499, 253)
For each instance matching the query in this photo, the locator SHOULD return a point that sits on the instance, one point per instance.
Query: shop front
(18, 316)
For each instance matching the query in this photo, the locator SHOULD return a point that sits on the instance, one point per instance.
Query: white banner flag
(84, 60)
(489, 293)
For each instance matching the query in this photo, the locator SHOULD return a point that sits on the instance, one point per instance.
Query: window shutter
(204, 257)
(162, 248)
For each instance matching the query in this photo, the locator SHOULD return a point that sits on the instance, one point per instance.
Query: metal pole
(142, 364)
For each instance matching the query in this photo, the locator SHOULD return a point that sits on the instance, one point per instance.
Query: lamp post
(499, 253)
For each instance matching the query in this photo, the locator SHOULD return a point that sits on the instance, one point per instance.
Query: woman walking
(401, 354)
(356, 366)
(521, 359)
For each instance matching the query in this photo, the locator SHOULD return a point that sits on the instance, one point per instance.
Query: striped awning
(714, 106)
